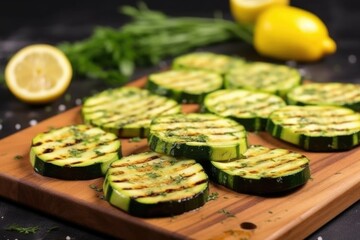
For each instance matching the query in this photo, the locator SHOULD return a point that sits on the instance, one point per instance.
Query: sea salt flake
(62, 107)
(352, 59)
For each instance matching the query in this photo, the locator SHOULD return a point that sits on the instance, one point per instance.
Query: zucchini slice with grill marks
(198, 136)
(262, 171)
(251, 109)
(184, 86)
(126, 111)
(337, 94)
(155, 185)
(76, 152)
(208, 61)
(316, 128)
(265, 77)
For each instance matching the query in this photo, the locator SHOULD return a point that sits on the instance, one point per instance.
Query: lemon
(291, 33)
(38, 73)
(246, 11)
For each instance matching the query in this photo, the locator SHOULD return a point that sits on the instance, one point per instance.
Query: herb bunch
(113, 54)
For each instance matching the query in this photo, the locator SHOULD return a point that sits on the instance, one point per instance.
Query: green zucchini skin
(336, 94)
(77, 152)
(316, 128)
(249, 108)
(262, 171)
(184, 86)
(150, 184)
(198, 136)
(126, 111)
(207, 61)
(264, 77)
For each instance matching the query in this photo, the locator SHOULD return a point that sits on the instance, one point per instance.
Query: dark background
(26, 22)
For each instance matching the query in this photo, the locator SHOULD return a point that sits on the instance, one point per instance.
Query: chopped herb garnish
(178, 178)
(133, 167)
(96, 188)
(173, 161)
(99, 153)
(75, 152)
(213, 196)
(226, 213)
(157, 165)
(135, 139)
(20, 229)
(202, 138)
(152, 175)
(18, 157)
(54, 228)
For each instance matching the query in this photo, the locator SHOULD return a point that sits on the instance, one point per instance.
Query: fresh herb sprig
(113, 54)
(21, 229)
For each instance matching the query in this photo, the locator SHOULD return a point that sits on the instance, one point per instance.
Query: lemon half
(38, 73)
(247, 11)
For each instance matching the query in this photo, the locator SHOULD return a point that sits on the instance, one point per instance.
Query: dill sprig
(22, 229)
(112, 54)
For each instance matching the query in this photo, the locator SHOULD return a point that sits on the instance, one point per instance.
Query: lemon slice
(246, 11)
(38, 73)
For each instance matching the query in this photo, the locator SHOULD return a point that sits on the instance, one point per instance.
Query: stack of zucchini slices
(188, 150)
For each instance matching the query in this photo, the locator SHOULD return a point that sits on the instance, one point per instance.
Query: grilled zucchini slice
(249, 108)
(198, 136)
(184, 86)
(316, 128)
(262, 171)
(208, 61)
(76, 152)
(154, 185)
(337, 94)
(126, 111)
(265, 77)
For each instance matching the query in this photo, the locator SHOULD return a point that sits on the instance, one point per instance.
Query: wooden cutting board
(334, 186)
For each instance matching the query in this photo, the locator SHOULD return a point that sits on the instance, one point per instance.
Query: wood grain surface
(335, 185)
